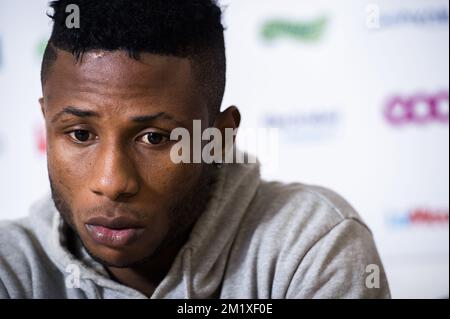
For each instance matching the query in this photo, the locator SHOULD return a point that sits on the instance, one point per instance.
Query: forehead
(114, 80)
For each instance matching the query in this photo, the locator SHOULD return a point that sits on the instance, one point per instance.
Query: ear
(231, 119)
(41, 102)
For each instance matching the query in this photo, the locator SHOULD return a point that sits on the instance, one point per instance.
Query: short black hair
(183, 28)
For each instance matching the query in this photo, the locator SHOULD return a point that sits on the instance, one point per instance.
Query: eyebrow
(71, 110)
(152, 117)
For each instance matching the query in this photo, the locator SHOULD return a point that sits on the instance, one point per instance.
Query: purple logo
(417, 109)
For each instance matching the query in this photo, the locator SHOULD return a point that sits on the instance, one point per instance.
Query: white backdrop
(358, 90)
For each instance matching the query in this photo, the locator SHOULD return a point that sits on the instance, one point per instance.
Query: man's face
(108, 121)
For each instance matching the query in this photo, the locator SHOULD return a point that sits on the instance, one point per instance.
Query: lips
(115, 232)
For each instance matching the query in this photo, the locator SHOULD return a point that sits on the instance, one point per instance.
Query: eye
(81, 136)
(153, 138)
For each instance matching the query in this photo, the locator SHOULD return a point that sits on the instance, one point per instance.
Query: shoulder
(22, 256)
(313, 235)
(314, 210)
(292, 218)
(17, 247)
(16, 238)
(25, 237)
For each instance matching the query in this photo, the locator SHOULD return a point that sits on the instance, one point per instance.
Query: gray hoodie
(255, 240)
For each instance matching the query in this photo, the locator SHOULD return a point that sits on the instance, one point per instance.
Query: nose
(114, 175)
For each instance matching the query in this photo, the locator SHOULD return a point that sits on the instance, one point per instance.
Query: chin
(116, 258)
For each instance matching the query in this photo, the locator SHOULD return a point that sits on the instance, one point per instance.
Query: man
(124, 220)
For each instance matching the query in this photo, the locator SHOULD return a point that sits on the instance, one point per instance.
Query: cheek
(67, 169)
(171, 180)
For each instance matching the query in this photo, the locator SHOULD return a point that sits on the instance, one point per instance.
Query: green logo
(304, 31)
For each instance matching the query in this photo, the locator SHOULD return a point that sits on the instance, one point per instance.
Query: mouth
(116, 232)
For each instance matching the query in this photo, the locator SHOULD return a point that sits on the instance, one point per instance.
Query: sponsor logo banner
(307, 31)
(419, 109)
